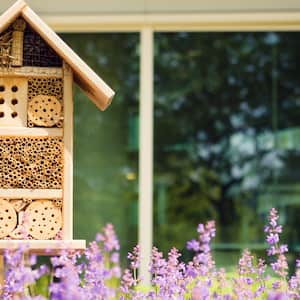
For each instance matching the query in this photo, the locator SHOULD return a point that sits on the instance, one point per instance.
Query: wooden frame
(44, 106)
(68, 154)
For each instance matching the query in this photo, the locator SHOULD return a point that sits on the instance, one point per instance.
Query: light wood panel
(23, 131)
(68, 154)
(46, 247)
(32, 194)
(31, 72)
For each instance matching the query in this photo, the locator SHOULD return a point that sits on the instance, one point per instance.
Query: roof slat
(97, 90)
(12, 13)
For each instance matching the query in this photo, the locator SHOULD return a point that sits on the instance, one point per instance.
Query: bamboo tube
(17, 44)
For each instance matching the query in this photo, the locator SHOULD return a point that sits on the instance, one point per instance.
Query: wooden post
(68, 155)
(2, 270)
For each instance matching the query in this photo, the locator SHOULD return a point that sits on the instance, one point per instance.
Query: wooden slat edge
(33, 194)
(100, 93)
(21, 131)
(68, 153)
(43, 247)
(32, 71)
(12, 13)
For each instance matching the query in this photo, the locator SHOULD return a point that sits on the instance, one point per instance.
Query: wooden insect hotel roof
(91, 84)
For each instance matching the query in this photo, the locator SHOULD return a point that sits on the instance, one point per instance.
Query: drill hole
(14, 101)
(14, 114)
(14, 88)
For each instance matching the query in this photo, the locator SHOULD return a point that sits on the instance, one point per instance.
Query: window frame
(146, 25)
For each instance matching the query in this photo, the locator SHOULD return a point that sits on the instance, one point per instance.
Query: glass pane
(227, 147)
(106, 147)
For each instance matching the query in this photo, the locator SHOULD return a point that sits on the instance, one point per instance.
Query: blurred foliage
(102, 192)
(225, 106)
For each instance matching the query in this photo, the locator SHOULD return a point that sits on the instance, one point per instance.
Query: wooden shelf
(35, 131)
(32, 72)
(43, 247)
(31, 194)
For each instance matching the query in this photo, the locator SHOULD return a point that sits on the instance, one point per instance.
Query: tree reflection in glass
(227, 129)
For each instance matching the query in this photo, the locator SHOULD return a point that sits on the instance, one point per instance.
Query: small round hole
(14, 88)
(2, 88)
(14, 101)
(2, 101)
(2, 114)
(14, 114)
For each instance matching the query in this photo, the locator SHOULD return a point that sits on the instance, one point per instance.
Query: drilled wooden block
(31, 162)
(44, 111)
(45, 102)
(45, 219)
(8, 218)
(18, 204)
(13, 102)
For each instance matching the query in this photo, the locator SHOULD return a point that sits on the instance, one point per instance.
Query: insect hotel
(37, 70)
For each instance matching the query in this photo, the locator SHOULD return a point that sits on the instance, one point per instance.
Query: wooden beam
(145, 231)
(97, 90)
(68, 154)
(43, 247)
(288, 20)
(35, 131)
(32, 72)
(12, 13)
(31, 194)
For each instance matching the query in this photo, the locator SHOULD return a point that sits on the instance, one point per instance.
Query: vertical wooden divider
(2, 270)
(68, 154)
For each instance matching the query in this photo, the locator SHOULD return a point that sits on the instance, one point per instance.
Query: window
(226, 138)
(146, 26)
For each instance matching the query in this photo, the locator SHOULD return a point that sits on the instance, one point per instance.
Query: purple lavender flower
(280, 266)
(93, 276)
(193, 245)
(277, 296)
(134, 257)
(200, 292)
(273, 238)
(202, 260)
(19, 273)
(109, 238)
(127, 281)
(246, 263)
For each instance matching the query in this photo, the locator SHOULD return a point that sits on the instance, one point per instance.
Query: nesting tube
(17, 42)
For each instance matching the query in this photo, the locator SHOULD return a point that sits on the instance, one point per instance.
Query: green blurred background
(226, 138)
